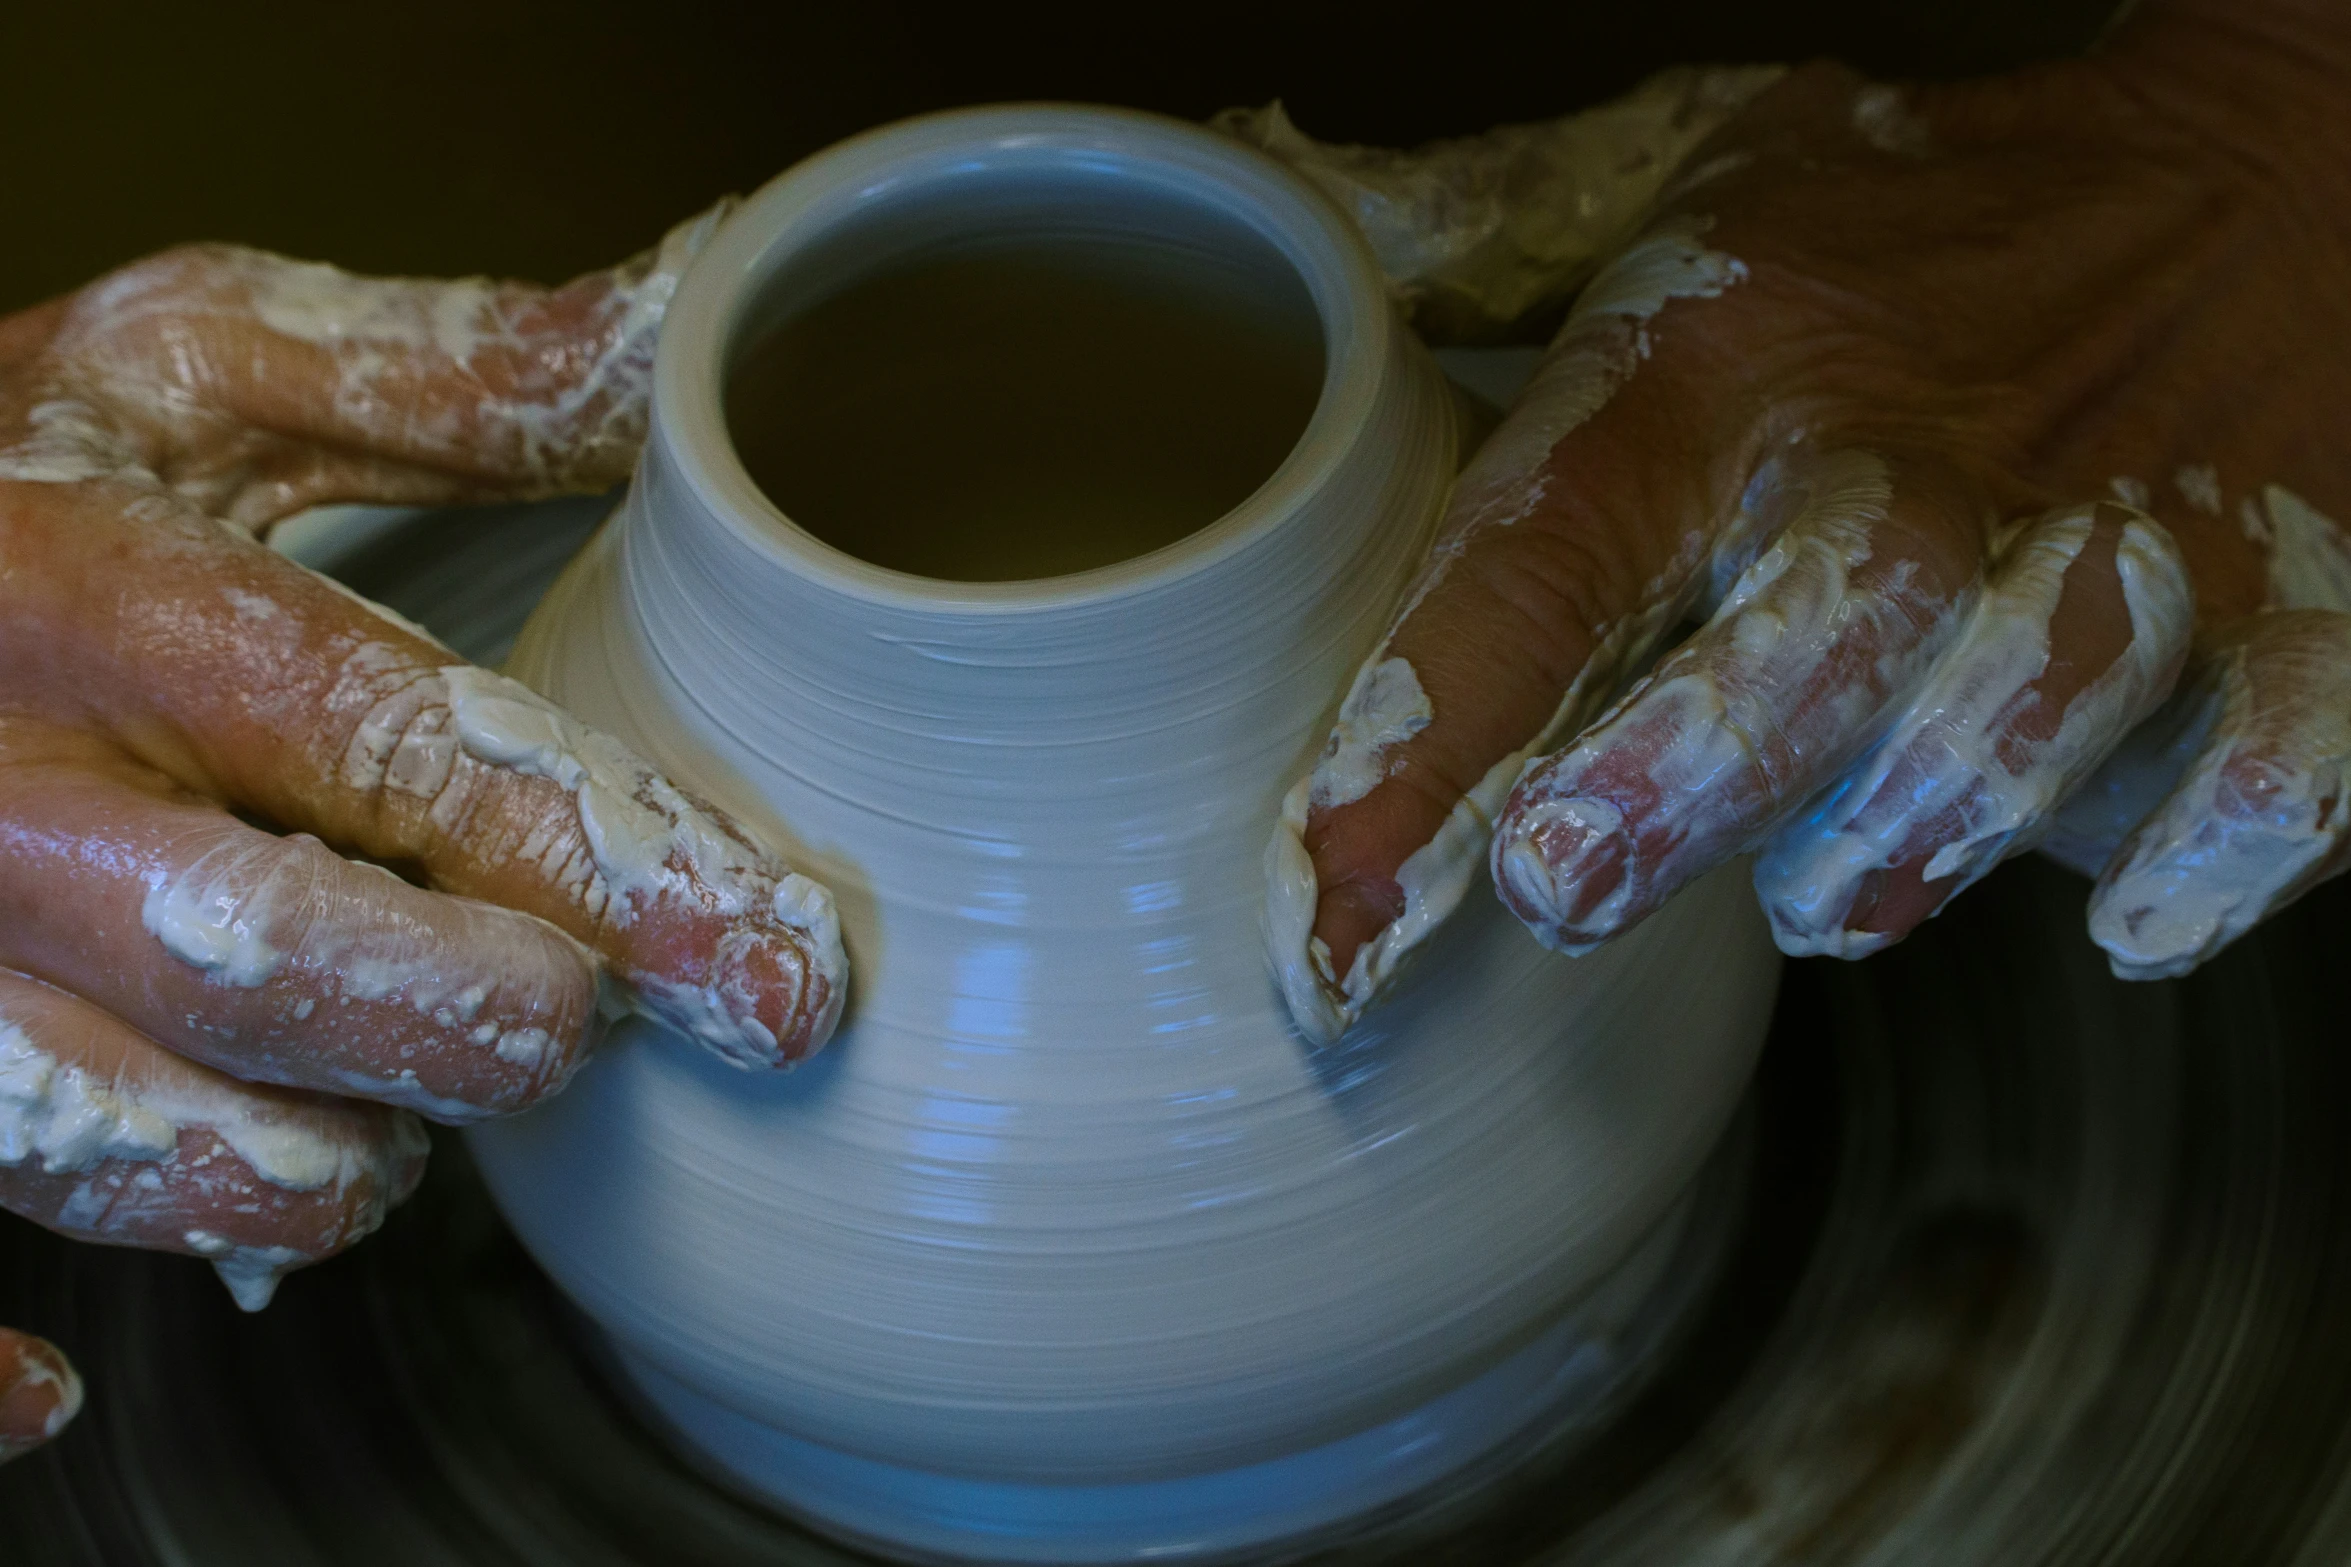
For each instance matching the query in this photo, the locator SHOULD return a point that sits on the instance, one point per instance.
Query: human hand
(213, 1038)
(1965, 419)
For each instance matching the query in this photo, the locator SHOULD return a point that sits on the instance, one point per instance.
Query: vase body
(1067, 1247)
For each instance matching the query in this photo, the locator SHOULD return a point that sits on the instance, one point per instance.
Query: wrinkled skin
(2002, 304)
(167, 683)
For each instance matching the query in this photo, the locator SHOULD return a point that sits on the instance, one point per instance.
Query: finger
(39, 1392)
(502, 795)
(106, 1136)
(2263, 813)
(1573, 540)
(273, 958)
(256, 385)
(1790, 682)
(254, 681)
(2077, 638)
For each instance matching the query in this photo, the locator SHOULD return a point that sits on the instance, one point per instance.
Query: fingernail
(40, 1402)
(1564, 868)
(2193, 881)
(2158, 920)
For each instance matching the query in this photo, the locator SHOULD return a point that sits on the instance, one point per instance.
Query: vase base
(1569, 1378)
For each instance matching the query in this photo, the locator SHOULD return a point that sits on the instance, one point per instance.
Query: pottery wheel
(2031, 1266)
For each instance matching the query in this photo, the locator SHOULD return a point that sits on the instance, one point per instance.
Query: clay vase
(1068, 1247)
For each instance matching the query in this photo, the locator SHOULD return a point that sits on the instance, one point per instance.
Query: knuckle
(389, 720)
(1912, 533)
(1551, 592)
(135, 301)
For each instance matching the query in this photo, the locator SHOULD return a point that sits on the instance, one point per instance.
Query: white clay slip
(1757, 690)
(1482, 231)
(216, 915)
(2258, 817)
(1953, 756)
(41, 1371)
(649, 842)
(639, 843)
(2309, 554)
(1601, 344)
(560, 432)
(59, 1119)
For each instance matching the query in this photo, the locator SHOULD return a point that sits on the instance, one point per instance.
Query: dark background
(537, 139)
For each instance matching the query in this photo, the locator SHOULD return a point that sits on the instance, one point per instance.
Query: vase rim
(819, 194)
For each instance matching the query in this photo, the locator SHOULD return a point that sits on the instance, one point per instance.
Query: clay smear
(2262, 813)
(1784, 677)
(2309, 554)
(1482, 231)
(1602, 343)
(43, 1370)
(59, 1119)
(552, 422)
(2259, 771)
(650, 845)
(1953, 765)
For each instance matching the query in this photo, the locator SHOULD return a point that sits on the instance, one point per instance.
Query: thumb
(39, 1392)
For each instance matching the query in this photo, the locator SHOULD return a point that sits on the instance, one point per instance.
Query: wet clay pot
(1069, 1247)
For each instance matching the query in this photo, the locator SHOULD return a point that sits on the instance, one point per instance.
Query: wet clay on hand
(282, 873)
(1967, 423)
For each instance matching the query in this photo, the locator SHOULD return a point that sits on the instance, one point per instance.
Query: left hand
(215, 1034)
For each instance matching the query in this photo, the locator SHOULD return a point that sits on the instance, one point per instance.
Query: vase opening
(1023, 376)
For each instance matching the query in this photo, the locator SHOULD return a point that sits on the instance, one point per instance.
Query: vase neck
(1079, 714)
(1094, 718)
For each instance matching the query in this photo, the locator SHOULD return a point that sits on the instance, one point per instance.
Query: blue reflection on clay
(957, 1129)
(1166, 954)
(1154, 897)
(999, 899)
(991, 997)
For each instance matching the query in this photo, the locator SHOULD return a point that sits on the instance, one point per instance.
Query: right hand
(215, 1036)
(1860, 397)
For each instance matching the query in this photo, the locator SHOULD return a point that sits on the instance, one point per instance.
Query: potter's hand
(1965, 419)
(212, 1035)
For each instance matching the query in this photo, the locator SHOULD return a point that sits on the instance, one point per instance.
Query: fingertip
(40, 1393)
(2130, 972)
(1567, 868)
(761, 996)
(1523, 880)
(809, 963)
(2257, 819)
(1830, 892)
(2157, 917)
(1300, 960)
(2190, 882)
(1350, 916)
